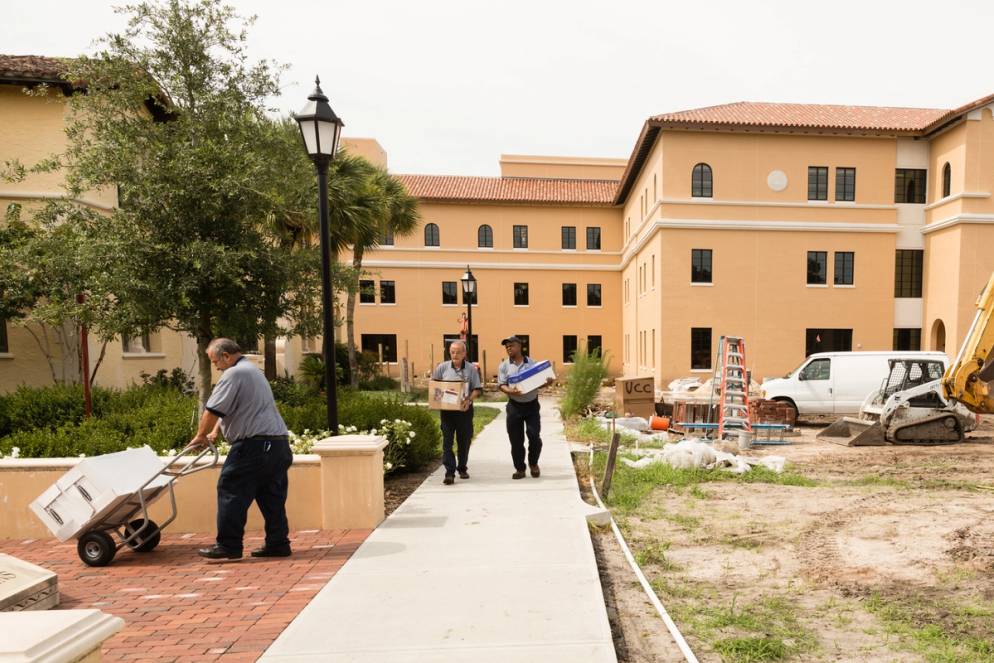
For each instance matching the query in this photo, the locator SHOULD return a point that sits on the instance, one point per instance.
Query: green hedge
(48, 422)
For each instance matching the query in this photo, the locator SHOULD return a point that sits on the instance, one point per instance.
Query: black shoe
(217, 552)
(272, 552)
(449, 479)
(519, 474)
(535, 471)
(464, 474)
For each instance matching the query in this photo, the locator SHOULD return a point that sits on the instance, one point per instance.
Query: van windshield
(795, 370)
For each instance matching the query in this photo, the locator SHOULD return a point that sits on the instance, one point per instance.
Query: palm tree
(394, 212)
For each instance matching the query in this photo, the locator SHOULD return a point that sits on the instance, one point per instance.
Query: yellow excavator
(919, 403)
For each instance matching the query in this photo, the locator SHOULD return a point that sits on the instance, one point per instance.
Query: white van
(837, 382)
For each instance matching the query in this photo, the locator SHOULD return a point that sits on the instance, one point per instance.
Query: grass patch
(654, 552)
(752, 649)
(630, 487)
(940, 630)
(921, 483)
(590, 431)
(689, 523)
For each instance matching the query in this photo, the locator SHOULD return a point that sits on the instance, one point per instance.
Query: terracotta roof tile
(31, 68)
(451, 188)
(807, 116)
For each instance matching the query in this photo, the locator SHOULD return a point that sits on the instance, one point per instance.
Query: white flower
(15, 452)
(412, 435)
(171, 452)
(388, 466)
(397, 421)
(408, 441)
(82, 455)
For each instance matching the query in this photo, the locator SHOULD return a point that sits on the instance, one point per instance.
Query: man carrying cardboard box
(458, 424)
(522, 408)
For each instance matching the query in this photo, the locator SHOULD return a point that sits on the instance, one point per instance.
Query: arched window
(701, 183)
(939, 336)
(947, 178)
(431, 235)
(485, 237)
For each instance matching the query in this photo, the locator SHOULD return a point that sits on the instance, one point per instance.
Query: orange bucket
(659, 423)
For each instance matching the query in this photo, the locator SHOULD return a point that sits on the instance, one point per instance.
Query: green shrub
(291, 392)
(582, 383)
(368, 413)
(380, 383)
(177, 379)
(28, 408)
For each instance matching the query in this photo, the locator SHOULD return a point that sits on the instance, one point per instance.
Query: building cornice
(460, 265)
(979, 219)
(771, 203)
(957, 196)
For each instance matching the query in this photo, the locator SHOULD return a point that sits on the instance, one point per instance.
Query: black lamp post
(321, 128)
(469, 294)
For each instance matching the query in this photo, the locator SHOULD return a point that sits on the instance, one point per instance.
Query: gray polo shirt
(244, 401)
(468, 373)
(506, 369)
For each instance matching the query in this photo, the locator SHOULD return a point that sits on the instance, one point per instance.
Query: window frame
(519, 236)
(455, 293)
(569, 357)
(909, 271)
(701, 181)
(387, 347)
(947, 180)
(126, 339)
(485, 236)
(698, 256)
(392, 289)
(912, 339)
(387, 238)
(851, 268)
(593, 238)
(595, 291)
(819, 174)
(367, 288)
(905, 176)
(591, 346)
(697, 348)
(521, 293)
(845, 184)
(824, 255)
(573, 285)
(567, 235)
(433, 236)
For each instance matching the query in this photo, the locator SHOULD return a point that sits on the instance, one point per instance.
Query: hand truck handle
(193, 465)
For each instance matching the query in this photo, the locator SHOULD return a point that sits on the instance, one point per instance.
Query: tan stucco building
(801, 227)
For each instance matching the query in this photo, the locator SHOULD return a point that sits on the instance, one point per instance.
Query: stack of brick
(772, 412)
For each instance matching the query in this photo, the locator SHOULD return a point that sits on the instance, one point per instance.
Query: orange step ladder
(734, 411)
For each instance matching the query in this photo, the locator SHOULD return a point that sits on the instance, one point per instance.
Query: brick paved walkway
(179, 607)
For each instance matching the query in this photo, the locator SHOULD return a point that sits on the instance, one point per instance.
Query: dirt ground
(879, 554)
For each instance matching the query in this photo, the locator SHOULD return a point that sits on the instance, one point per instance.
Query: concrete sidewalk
(489, 569)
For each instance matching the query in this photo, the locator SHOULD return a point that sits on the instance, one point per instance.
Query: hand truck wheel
(148, 539)
(96, 548)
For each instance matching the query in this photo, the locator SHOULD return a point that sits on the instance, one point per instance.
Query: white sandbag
(633, 423)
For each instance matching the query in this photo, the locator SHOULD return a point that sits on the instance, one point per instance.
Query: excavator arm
(962, 381)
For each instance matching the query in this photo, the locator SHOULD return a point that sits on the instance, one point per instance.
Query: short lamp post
(321, 129)
(469, 294)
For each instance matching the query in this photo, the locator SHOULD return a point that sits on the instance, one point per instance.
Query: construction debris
(693, 453)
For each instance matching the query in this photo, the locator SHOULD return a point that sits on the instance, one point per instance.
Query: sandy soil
(911, 526)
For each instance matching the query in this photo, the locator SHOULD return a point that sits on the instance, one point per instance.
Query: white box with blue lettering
(531, 378)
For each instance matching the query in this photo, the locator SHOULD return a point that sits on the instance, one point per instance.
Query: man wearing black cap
(522, 410)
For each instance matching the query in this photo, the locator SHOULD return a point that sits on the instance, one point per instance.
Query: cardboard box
(636, 396)
(447, 394)
(533, 377)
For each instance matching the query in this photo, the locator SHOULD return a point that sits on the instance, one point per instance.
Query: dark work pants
(256, 469)
(522, 418)
(457, 426)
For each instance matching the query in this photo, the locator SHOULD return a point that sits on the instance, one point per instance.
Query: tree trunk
(203, 361)
(350, 318)
(269, 356)
(100, 359)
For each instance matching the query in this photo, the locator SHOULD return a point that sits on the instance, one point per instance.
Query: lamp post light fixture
(469, 294)
(321, 129)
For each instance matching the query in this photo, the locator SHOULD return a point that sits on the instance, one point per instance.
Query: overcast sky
(446, 86)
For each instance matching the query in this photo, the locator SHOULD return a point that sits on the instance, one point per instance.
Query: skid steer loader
(919, 403)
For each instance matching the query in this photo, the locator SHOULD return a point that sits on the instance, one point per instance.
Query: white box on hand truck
(112, 493)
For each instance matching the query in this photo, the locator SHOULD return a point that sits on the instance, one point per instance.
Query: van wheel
(794, 414)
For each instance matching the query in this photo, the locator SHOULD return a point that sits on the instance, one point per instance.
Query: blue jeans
(255, 470)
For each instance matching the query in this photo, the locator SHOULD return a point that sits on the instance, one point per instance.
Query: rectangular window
(817, 183)
(388, 292)
(569, 349)
(827, 340)
(845, 184)
(569, 237)
(700, 265)
(594, 343)
(593, 294)
(521, 294)
(449, 292)
(4, 344)
(474, 346)
(817, 267)
(142, 343)
(844, 266)
(367, 292)
(700, 347)
(907, 339)
(908, 273)
(373, 342)
(521, 237)
(569, 294)
(387, 238)
(594, 239)
(909, 185)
